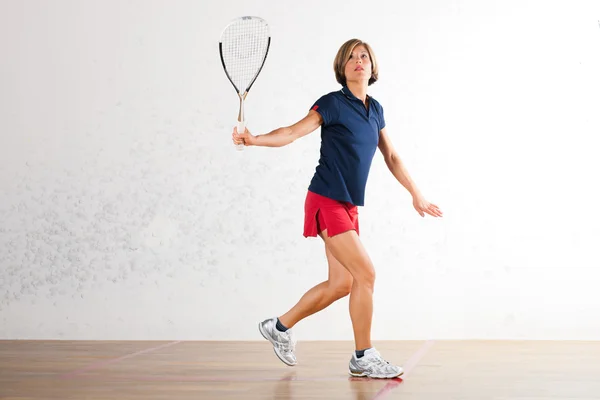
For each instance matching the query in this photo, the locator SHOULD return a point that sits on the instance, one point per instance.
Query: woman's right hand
(245, 138)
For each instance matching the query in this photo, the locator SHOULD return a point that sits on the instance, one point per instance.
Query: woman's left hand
(423, 206)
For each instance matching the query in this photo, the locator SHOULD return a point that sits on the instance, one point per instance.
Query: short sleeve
(381, 118)
(328, 107)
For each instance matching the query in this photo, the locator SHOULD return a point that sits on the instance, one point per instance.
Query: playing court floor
(516, 370)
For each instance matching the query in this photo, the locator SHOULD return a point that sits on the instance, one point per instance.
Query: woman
(352, 128)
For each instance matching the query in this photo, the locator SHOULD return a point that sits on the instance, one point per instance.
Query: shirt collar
(350, 95)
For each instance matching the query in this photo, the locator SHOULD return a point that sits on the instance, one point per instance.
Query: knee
(366, 277)
(341, 289)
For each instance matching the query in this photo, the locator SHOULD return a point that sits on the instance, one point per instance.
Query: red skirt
(322, 213)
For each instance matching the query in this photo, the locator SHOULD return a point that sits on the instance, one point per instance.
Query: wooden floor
(249, 370)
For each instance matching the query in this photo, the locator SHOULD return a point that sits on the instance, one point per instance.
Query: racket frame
(241, 125)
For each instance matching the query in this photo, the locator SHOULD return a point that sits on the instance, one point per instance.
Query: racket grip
(241, 128)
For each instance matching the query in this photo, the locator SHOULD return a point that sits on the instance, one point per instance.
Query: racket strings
(244, 47)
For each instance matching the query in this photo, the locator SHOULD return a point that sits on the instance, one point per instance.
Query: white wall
(126, 213)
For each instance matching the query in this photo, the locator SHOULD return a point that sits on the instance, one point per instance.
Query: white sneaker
(373, 366)
(283, 342)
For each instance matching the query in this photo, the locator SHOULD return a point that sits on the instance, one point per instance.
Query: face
(358, 67)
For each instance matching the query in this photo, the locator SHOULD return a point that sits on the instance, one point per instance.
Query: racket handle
(241, 128)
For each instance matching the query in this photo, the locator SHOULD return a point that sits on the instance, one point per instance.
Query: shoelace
(289, 344)
(376, 359)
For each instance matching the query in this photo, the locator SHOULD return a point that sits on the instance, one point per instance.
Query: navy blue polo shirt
(349, 139)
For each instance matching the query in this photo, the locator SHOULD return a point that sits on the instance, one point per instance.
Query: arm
(394, 163)
(281, 136)
(399, 171)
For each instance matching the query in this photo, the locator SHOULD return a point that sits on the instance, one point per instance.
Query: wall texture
(126, 213)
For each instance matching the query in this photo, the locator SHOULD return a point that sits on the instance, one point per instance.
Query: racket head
(243, 48)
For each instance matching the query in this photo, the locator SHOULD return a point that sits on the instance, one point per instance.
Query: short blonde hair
(343, 55)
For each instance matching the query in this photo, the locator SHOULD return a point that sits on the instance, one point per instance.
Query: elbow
(291, 137)
(392, 159)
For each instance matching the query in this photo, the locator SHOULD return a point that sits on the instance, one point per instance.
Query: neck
(358, 89)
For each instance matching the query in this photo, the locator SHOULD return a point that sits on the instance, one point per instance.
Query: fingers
(429, 208)
(239, 138)
(236, 138)
(434, 213)
(433, 210)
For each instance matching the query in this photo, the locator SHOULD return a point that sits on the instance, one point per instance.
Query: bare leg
(347, 251)
(338, 285)
(350, 252)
